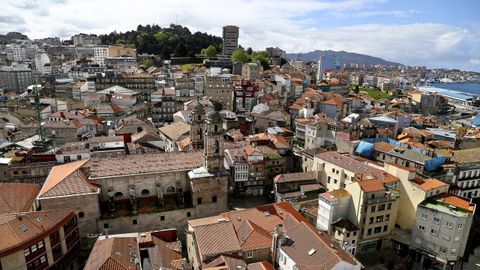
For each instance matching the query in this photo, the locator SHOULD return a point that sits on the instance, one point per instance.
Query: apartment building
(16, 78)
(336, 170)
(467, 173)
(442, 229)
(99, 55)
(220, 89)
(333, 218)
(39, 240)
(373, 211)
(252, 71)
(230, 39)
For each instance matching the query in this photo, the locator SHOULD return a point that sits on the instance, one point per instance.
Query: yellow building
(119, 51)
(374, 211)
(413, 190)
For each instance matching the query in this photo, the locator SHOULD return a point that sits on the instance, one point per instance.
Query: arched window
(145, 192)
(217, 147)
(170, 189)
(199, 118)
(118, 195)
(215, 128)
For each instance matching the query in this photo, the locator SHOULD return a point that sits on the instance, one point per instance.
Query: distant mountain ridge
(345, 57)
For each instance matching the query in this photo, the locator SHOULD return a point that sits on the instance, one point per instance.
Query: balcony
(389, 196)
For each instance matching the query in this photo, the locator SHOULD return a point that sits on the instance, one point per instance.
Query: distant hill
(346, 57)
(163, 41)
(10, 36)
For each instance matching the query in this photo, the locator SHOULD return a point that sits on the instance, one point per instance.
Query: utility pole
(41, 143)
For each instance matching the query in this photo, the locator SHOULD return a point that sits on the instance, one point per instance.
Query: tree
(249, 51)
(261, 57)
(357, 89)
(148, 63)
(240, 55)
(210, 51)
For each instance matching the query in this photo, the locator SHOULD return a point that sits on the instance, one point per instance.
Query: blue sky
(432, 33)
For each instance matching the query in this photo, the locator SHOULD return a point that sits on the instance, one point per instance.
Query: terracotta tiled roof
(428, 184)
(145, 163)
(175, 130)
(114, 253)
(361, 169)
(456, 201)
(371, 185)
(251, 236)
(67, 179)
(10, 201)
(326, 252)
(217, 238)
(19, 228)
(261, 266)
(227, 262)
(383, 147)
(295, 177)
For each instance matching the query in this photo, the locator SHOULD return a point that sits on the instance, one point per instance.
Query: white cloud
(284, 23)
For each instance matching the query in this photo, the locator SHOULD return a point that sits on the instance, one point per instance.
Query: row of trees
(152, 39)
(246, 56)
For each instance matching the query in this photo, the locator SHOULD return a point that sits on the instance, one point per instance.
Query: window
(389, 206)
(33, 248)
(43, 259)
(134, 222)
(448, 224)
(421, 228)
(199, 201)
(353, 242)
(446, 237)
(385, 228)
(453, 251)
(26, 252)
(354, 233)
(381, 207)
(372, 209)
(371, 220)
(379, 219)
(436, 220)
(162, 218)
(328, 179)
(369, 232)
(424, 216)
(79, 157)
(118, 195)
(434, 232)
(81, 214)
(348, 234)
(214, 199)
(377, 229)
(249, 254)
(387, 217)
(105, 226)
(372, 196)
(40, 244)
(145, 192)
(189, 214)
(460, 226)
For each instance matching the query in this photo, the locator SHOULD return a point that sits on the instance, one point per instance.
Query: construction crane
(40, 144)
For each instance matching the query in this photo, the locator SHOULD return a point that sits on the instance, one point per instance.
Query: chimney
(278, 235)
